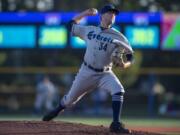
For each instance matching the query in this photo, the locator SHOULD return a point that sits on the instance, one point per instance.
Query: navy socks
(117, 102)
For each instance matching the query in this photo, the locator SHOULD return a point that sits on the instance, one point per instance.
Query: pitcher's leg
(113, 85)
(117, 103)
(77, 91)
(79, 88)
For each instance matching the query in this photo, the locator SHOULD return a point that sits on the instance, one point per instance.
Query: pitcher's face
(108, 18)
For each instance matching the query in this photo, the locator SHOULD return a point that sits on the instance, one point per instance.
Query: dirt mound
(55, 128)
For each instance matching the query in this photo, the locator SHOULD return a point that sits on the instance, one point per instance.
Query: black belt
(96, 69)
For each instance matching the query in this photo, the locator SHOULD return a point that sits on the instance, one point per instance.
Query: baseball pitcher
(105, 47)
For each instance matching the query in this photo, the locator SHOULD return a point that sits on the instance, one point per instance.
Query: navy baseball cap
(108, 8)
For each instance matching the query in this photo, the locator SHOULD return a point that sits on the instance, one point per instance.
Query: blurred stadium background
(35, 42)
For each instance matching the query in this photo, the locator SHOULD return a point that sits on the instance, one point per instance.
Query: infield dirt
(56, 128)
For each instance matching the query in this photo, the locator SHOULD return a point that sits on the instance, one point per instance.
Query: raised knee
(118, 96)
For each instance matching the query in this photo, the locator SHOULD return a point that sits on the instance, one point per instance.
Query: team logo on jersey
(93, 35)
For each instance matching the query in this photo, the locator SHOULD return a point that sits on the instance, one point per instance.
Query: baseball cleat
(49, 116)
(117, 127)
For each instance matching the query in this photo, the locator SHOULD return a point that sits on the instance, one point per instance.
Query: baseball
(94, 11)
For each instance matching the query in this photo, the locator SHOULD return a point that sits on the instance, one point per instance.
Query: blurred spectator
(45, 95)
(154, 90)
(67, 80)
(171, 105)
(151, 95)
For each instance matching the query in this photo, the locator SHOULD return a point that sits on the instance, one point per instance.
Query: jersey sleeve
(79, 31)
(125, 41)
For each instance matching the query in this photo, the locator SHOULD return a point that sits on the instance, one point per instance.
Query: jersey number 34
(103, 46)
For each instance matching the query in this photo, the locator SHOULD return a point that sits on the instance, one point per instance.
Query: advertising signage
(50, 30)
(20, 36)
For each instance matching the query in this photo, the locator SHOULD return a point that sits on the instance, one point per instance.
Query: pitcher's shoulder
(117, 34)
(93, 27)
(114, 30)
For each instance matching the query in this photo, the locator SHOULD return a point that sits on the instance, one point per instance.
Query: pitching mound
(55, 128)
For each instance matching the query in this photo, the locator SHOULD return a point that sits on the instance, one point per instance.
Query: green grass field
(100, 120)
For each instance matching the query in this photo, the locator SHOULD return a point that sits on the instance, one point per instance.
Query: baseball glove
(117, 56)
